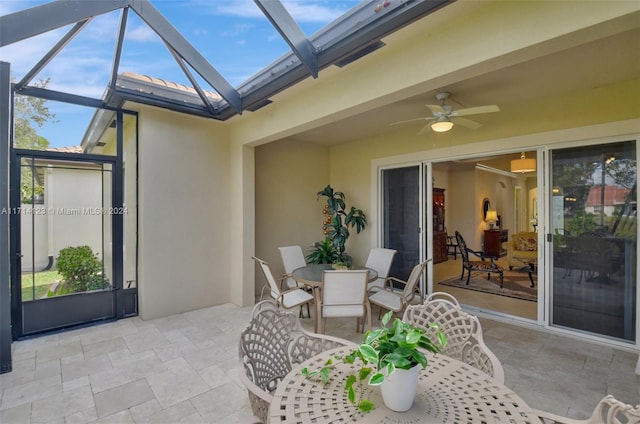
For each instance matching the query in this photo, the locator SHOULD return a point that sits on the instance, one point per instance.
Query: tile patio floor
(182, 369)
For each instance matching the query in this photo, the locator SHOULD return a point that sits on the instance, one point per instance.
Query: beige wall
(289, 175)
(184, 230)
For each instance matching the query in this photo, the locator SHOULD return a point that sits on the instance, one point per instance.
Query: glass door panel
(593, 222)
(401, 217)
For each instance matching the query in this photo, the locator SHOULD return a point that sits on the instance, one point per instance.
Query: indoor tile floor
(183, 369)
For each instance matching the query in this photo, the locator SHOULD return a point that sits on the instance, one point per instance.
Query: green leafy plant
(400, 346)
(81, 270)
(338, 221)
(323, 252)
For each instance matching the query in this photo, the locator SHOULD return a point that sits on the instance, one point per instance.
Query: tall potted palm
(336, 228)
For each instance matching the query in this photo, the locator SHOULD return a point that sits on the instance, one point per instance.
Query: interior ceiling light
(523, 164)
(442, 125)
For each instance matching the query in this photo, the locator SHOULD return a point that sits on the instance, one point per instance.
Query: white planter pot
(399, 389)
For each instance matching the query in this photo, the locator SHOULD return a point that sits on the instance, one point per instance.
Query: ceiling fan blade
(426, 128)
(467, 123)
(436, 109)
(426, 118)
(476, 110)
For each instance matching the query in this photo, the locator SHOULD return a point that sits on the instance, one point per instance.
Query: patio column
(242, 195)
(5, 277)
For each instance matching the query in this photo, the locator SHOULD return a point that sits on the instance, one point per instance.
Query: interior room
(487, 203)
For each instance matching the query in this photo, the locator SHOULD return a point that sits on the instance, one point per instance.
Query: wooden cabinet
(493, 240)
(439, 234)
(439, 247)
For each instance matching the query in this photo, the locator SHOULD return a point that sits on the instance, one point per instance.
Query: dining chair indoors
(292, 258)
(380, 259)
(270, 345)
(285, 298)
(463, 331)
(608, 411)
(475, 265)
(344, 294)
(394, 299)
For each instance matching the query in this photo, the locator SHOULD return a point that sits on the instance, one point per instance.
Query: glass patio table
(449, 391)
(311, 276)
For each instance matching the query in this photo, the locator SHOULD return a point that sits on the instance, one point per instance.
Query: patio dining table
(449, 391)
(311, 276)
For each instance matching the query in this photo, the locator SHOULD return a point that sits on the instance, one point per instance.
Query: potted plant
(397, 354)
(336, 227)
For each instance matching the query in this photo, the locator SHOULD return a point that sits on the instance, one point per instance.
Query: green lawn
(38, 282)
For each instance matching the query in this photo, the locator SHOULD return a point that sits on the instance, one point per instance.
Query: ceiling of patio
(541, 81)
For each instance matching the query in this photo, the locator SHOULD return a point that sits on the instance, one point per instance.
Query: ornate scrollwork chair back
(269, 345)
(463, 331)
(608, 411)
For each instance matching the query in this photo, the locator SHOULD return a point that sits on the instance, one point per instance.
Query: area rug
(516, 284)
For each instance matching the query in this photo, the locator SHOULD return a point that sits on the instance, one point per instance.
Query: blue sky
(233, 35)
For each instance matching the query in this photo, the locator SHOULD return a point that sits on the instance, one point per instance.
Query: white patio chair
(285, 298)
(463, 331)
(292, 258)
(380, 259)
(344, 294)
(392, 298)
(608, 411)
(269, 346)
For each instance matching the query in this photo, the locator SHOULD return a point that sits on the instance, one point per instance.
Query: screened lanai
(211, 156)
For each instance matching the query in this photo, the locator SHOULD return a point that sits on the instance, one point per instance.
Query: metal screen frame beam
(5, 251)
(187, 52)
(288, 28)
(40, 19)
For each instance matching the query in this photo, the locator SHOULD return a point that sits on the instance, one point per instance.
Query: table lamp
(492, 217)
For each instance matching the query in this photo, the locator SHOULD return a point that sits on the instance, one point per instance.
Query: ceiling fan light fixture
(442, 125)
(523, 164)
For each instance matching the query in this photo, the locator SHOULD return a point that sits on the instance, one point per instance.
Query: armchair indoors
(522, 249)
(475, 265)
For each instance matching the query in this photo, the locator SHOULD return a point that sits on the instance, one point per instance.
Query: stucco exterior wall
(184, 214)
(288, 176)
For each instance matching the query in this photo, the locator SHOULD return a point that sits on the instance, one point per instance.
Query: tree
(30, 113)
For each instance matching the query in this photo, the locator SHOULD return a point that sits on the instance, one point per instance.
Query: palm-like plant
(337, 229)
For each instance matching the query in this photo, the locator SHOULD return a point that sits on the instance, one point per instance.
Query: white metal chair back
(414, 280)
(380, 259)
(344, 294)
(269, 346)
(289, 298)
(268, 276)
(391, 298)
(463, 331)
(292, 258)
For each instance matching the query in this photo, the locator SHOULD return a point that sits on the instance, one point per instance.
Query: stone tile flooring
(183, 369)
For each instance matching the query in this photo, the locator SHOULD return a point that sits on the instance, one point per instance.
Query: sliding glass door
(593, 201)
(401, 227)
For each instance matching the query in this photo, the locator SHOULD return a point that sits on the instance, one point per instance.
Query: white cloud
(301, 10)
(141, 34)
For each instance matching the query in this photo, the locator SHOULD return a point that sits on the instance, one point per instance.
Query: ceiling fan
(444, 116)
